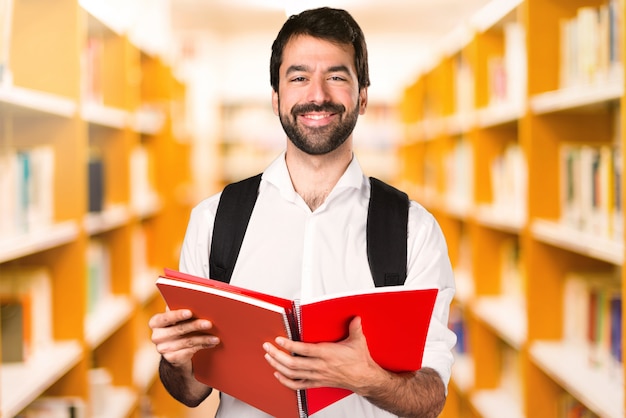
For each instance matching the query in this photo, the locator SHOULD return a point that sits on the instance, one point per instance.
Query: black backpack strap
(387, 219)
(231, 221)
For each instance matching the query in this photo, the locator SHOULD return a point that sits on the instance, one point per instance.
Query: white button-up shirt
(292, 252)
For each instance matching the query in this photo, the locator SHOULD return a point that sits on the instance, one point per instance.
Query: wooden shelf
(120, 403)
(143, 287)
(146, 365)
(493, 403)
(148, 121)
(568, 365)
(39, 240)
(105, 116)
(21, 383)
(502, 92)
(505, 315)
(107, 220)
(90, 93)
(500, 219)
(590, 245)
(463, 373)
(20, 99)
(575, 98)
(500, 114)
(110, 314)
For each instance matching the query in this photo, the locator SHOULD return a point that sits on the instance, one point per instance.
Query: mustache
(313, 107)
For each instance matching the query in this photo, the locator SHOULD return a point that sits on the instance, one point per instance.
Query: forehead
(305, 49)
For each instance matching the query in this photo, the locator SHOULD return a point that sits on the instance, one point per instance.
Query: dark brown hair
(334, 25)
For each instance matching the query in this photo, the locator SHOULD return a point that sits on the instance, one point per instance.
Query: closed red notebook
(395, 322)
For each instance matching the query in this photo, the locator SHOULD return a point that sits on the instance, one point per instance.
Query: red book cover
(395, 322)
(237, 366)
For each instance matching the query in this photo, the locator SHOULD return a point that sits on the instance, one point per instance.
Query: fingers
(291, 371)
(178, 336)
(169, 318)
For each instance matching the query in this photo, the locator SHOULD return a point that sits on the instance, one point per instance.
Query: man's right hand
(177, 336)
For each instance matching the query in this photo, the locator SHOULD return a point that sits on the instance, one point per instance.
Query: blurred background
(502, 117)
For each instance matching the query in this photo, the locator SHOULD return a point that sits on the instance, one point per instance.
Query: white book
(8, 191)
(6, 20)
(515, 62)
(41, 199)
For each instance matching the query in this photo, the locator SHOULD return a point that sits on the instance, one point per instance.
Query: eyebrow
(333, 69)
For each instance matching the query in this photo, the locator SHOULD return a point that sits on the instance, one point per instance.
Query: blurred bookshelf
(92, 169)
(513, 140)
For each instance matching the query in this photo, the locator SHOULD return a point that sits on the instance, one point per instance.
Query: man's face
(318, 101)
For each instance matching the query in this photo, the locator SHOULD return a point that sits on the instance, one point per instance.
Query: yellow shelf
(513, 236)
(88, 93)
(21, 383)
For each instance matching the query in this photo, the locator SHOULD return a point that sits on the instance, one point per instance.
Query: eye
(298, 79)
(337, 78)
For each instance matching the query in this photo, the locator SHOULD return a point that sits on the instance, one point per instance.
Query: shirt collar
(277, 174)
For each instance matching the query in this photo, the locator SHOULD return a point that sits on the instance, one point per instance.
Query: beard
(319, 140)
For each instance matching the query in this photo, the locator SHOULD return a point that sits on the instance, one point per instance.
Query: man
(306, 238)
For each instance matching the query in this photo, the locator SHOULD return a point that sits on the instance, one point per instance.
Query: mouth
(317, 115)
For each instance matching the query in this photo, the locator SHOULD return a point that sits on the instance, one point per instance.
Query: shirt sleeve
(429, 267)
(194, 254)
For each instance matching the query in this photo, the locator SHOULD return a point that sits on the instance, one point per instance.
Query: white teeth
(316, 117)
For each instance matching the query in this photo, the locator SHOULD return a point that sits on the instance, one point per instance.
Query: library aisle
(512, 137)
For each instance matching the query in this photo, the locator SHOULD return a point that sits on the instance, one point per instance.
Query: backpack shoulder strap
(387, 219)
(386, 230)
(231, 221)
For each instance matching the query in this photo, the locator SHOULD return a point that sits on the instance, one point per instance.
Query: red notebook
(395, 323)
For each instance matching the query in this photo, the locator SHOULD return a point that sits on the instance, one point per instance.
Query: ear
(275, 102)
(363, 100)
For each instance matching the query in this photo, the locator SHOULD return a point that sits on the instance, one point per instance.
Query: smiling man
(307, 238)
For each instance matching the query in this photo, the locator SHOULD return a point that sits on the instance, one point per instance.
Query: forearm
(181, 384)
(410, 395)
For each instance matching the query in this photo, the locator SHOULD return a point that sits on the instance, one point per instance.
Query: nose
(317, 90)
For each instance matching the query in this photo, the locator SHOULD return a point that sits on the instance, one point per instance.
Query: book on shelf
(592, 316)
(458, 324)
(459, 166)
(590, 45)
(100, 383)
(570, 407)
(92, 62)
(96, 182)
(463, 85)
(14, 327)
(511, 372)
(6, 20)
(55, 407)
(143, 193)
(512, 274)
(506, 74)
(27, 189)
(98, 273)
(590, 195)
(509, 179)
(515, 62)
(395, 322)
(26, 300)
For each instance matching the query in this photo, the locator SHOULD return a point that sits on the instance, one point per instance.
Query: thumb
(355, 329)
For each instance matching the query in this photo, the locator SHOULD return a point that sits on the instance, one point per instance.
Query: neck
(314, 176)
